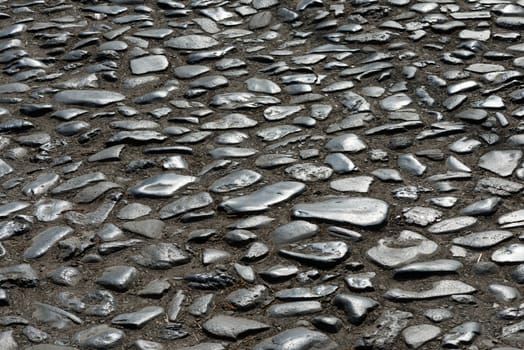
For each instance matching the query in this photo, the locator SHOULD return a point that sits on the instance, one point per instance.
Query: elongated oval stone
(192, 42)
(263, 198)
(42, 242)
(484, 239)
(360, 211)
(162, 185)
(513, 253)
(89, 98)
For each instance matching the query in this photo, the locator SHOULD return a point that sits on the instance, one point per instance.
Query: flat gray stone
(150, 228)
(236, 180)
(43, 241)
(417, 335)
(233, 327)
(99, 337)
(192, 42)
(502, 163)
(439, 289)
(453, 224)
(393, 252)
(263, 198)
(513, 253)
(162, 185)
(483, 239)
(149, 64)
(346, 143)
(294, 231)
(360, 211)
(299, 338)
(89, 98)
(138, 318)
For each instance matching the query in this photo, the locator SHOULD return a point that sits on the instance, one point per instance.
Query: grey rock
(192, 42)
(359, 184)
(406, 248)
(233, 327)
(265, 86)
(346, 143)
(294, 309)
(78, 182)
(205, 346)
(9, 229)
(185, 204)
(65, 276)
(421, 216)
(294, 231)
(340, 163)
(502, 163)
(411, 164)
(360, 211)
(497, 186)
(356, 307)
(298, 339)
(155, 289)
(118, 278)
(510, 22)
(263, 198)
(161, 256)
(387, 175)
(213, 256)
(50, 209)
(426, 268)
(275, 133)
(138, 318)
(303, 293)
(318, 254)
(8, 340)
(503, 293)
(54, 316)
(385, 330)
(89, 98)
(483, 239)
(163, 185)
(133, 211)
(249, 298)
(483, 207)
(453, 224)
(22, 275)
(142, 344)
(149, 64)
(150, 228)
(175, 305)
(90, 193)
(42, 242)
(395, 102)
(136, 137)
(439, 289)
(309, 172)
(34, 334)
(40, 185)
(418, 335)
(461, 335)
(511, 219)
(438, 315)
(97, 216)
(201, 305)
(99, 337)
(236, 180)
(513, 253)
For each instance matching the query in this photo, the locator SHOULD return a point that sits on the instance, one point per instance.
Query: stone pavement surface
(261, 174)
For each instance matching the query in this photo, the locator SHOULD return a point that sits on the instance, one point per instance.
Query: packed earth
(261, 174)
